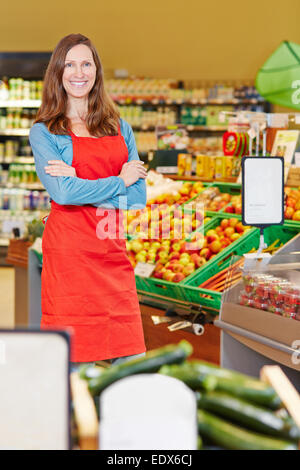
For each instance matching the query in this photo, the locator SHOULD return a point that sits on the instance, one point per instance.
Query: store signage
(144, 269)
(262, 191)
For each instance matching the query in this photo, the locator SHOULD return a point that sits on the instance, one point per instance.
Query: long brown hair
(102, 117)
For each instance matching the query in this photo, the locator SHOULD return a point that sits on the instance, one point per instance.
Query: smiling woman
(86, 157)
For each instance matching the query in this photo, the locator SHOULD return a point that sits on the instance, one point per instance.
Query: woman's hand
(59, 168)
(132, 171)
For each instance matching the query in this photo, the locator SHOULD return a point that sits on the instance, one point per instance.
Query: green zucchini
(254, 391)
(190, 376)
(229, 436)
(246, 414)
(152, 362)
(243, 387)
(240, 385)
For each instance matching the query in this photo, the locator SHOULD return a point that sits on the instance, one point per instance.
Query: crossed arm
(66, 188)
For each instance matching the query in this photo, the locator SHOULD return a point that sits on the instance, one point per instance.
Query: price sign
(262, 191)
(144, 269)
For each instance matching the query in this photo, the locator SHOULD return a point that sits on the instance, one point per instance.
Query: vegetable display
(235, 411)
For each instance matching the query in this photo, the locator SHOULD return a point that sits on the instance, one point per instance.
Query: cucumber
(244, 413)
(259, 393)
(229, 436)
(152, 362)
(190, 376)
(243, 387)
(240, 385)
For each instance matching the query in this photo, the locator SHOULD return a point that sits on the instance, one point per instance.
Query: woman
(86, 157)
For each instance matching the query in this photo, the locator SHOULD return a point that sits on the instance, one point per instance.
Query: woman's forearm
(68, 189)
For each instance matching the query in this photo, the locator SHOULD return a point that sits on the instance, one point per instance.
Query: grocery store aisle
(7, 301)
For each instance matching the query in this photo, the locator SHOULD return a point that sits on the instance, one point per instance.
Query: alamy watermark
(155, 222)
(296, 93)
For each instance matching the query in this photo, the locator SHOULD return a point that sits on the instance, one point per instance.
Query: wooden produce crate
(17, 254)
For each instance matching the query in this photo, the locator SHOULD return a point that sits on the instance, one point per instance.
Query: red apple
(215, 246)
(239, 228)
(174, 255)
(234, 237)
(178, 277)
(228, 232)
(205, 253)
(224, 223)
(233, 222)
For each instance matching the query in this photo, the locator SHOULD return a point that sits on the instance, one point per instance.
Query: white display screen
(262, 191)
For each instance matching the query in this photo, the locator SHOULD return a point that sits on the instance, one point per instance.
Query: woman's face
(80, 72)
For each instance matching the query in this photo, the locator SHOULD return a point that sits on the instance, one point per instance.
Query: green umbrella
(278, 81)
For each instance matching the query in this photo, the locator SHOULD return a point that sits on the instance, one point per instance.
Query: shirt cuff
(123, 187)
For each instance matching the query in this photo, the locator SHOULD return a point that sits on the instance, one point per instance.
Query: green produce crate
(283, 232)
(163, 288)
(232, 188)
(178, 290)
(140, 284)
(222, 259)
(205, 297)
(195, 294)
(224, 215)
(292, 223)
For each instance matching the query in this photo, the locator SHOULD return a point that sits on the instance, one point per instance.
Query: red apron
(88, 284)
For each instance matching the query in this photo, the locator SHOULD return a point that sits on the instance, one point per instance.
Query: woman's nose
(79, 71)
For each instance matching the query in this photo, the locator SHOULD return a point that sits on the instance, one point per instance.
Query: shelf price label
(144, 269)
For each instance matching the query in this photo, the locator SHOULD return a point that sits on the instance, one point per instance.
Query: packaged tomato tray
(272, 294)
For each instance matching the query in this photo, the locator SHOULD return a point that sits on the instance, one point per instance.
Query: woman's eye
(87, 64)
(68, 65)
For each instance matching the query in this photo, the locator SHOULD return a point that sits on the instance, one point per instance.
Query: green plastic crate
(292, 223)
(163, 288)
(238, 247)
(231, 188)
(205, 297)
(196, 294)
(140, 284)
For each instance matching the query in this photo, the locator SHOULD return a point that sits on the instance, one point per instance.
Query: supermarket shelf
(15, 159)
(189, 128)
(206, 128)
(20, 103)
(33, 186)
(205, 180)
(178, 102)
(15, 132)
(136, 101)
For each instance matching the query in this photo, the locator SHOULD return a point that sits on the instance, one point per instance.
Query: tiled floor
(7, 301)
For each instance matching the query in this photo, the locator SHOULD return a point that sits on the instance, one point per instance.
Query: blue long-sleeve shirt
(108, 192)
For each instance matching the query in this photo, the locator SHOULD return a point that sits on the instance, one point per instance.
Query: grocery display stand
(245, 350)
